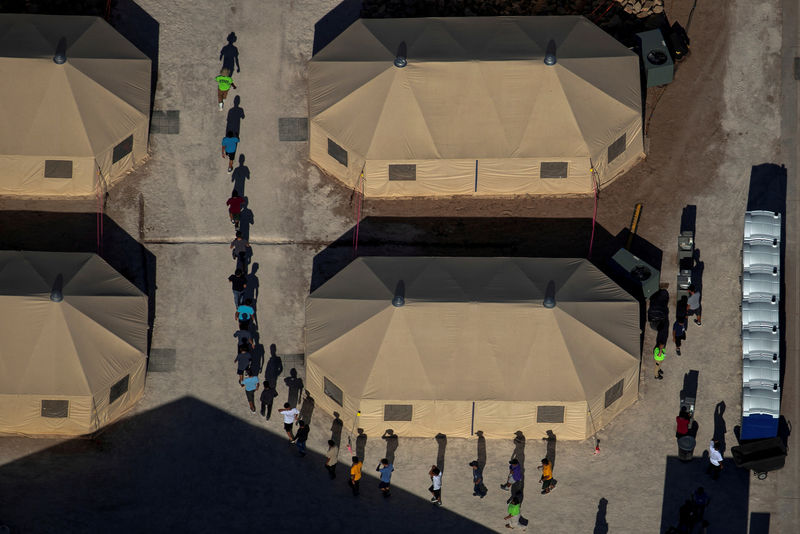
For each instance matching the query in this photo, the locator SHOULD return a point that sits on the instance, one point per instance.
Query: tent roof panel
(482, 317)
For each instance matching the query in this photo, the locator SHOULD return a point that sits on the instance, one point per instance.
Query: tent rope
(100, 193)
(359, 201)
(594, 429)
(596, 188)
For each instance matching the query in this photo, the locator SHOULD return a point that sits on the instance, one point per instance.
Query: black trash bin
(686, 448)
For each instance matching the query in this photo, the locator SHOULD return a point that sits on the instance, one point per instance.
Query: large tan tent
(69, 128)
(68, 366)
(475, 110)
(472, 346)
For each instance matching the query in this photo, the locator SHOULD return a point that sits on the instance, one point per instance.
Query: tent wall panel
(497, 419)
(452, 418)
(440, 177)
(318, 152)
(24, 175)
(22, 414)
(518, 176)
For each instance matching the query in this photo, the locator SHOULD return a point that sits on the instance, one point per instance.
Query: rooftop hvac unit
(762, 227)
(656, 58)
(761, 258)
(639, 271)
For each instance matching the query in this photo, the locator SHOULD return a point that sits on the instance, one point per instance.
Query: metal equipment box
(638, 271)
(656, 58)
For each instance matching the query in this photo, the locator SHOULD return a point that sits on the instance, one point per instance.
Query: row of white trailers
(761, 294)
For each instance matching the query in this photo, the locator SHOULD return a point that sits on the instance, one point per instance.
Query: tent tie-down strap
(359, 201)
(596, 189)
(100, 194)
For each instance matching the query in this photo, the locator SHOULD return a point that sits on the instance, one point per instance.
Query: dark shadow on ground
(129, 19)
(335, 22)
(481, 237)
(361, 444)
(274, 366)
(81, 232)
(392, 442)
(308, 408)
(336, 428)
(481, 450)
(229, 55)
(600, 523)
(176, 469)
(727, 509)
(551, 448)
(720, 428)
(234, 123)
(295, 386)
(441, 447)
(240, 175)
(608, 15)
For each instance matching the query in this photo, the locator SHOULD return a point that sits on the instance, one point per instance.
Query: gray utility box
(638, 271)
(656, 59)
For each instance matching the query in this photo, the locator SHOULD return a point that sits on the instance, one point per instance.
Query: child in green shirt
(224, 83)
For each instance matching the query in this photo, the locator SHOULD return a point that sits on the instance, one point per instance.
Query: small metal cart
(762, 456)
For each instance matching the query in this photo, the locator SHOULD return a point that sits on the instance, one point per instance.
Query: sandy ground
(721, 116)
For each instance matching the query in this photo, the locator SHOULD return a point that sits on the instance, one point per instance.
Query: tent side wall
(633, 154)
(24, 175)
(501, 419)
(601, 415)
(428, 418)
(106, 413)
(318, 147)
(22, 414)
(314, 384)
(114, 171)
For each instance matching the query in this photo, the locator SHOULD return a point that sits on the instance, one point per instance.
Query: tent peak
(60, 56)
(400, 60)
(550, 54)
(550, 295)
(399, 295)
(57, 293)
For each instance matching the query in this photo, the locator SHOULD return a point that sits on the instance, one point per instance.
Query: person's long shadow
(251, 291)
(361, 444)
(308, 408)
(336, 428)
(551, 448)
(229, 55)
(600, 522)
(441, 442)
(257, 364)
(391, 444)
(246, 219)
(274, 366)
(720, 428)
(295, 385)
(240, 175)
(235, 118)
(697, 271)
(518, 488)
(481, 450)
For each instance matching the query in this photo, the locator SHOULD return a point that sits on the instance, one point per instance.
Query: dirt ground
(192, 454)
